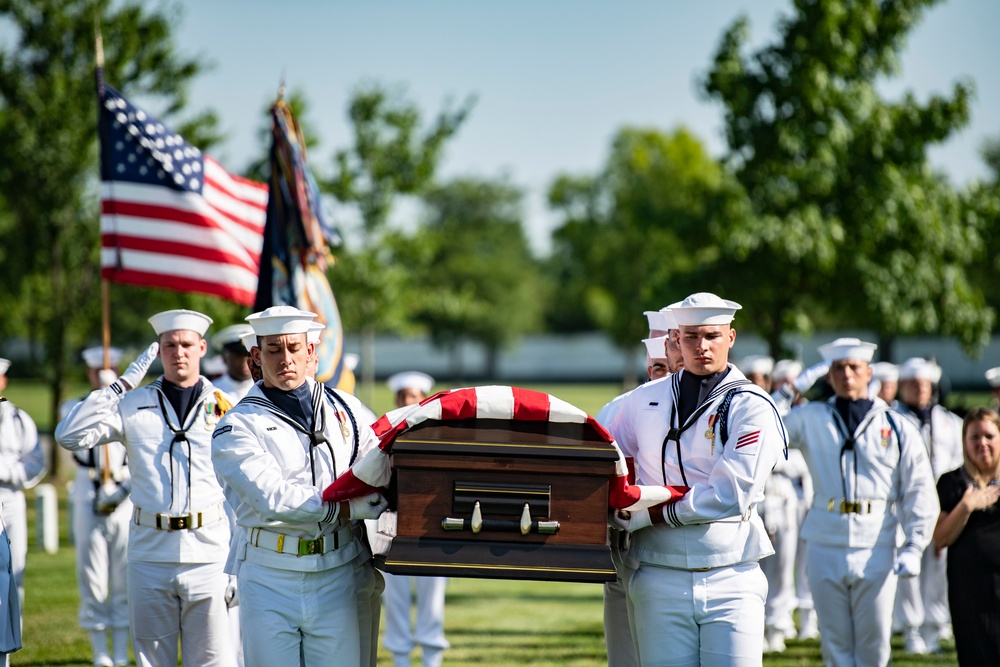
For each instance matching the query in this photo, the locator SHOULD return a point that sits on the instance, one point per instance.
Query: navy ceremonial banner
(296, 255)
(170, 216)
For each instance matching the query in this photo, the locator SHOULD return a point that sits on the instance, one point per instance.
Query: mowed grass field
(488, 622)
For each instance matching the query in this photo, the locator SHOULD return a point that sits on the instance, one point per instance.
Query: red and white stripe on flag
(373, 471)
(208, 242)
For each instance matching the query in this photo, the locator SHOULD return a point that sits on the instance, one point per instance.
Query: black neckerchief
(923, 414)
(181, 398)
(694, 389)
(852, 412)
(297, 403)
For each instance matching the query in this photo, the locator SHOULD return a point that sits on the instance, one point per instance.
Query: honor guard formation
(202, 533)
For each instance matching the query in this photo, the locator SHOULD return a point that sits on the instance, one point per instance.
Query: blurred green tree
(393, 155)
(477, 279)
(633, 236)
(847, 220)
(48, 176)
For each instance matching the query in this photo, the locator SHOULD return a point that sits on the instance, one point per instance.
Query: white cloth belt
(844, 506)
(301, 546)
(191, 521)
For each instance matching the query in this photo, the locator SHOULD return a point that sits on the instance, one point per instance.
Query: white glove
(109, 497)
(907, 564)
(808, 377)
(232, 595)
(368, 507)
(631, 521)
(137, 369)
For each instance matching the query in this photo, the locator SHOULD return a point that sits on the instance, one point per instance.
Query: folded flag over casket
(373, 471)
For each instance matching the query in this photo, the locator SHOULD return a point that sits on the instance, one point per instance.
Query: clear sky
(554, 79)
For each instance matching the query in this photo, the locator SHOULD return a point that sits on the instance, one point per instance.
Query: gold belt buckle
(310, 547)
(180, 522)
(849, 508)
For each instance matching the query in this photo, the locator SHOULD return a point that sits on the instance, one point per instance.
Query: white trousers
(369, 584)
(618, 636)
(853, 590)
(923, 600)
(185, 601)
(713, 618)
(428, 632)
(288, 616)
(15, 518)
(101, 565)
(780, 572)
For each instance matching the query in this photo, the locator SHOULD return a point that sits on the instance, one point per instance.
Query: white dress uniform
(102, 548)
(22, 465)
(179, 535)
(305, 576)
(922, 602)
(617, 632)
(235, 388)
(865, 484)
(697, 593)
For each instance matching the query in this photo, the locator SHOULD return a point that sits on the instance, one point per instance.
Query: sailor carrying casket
(298, 566)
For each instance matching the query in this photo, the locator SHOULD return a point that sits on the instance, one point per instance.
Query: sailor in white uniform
(236, 381)
(870, 473)
(179, 534)
(102, 511)
(922, 602)
(697, 592)
(22, 466)
(276, 451)
(10, 605)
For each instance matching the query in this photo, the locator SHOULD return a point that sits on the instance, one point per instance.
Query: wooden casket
(502, 498)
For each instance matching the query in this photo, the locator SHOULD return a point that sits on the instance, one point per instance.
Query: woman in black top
(969, 526)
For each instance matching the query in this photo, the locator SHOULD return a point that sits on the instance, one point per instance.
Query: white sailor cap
(229, 335)
(94, 357)
(757, 363)
(786, 369)
(656, 347)
(885, 370)
(4, 365)
(213, 365)
(278, 320)
(180, 320)
(848, 348)
(660, 320)
(315, 331)
(704, 308)
(249, 340)
(351, 361)
(993, 377)
(422, 382)
(918, 368)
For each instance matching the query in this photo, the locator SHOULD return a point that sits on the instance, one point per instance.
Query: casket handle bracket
(526, 525)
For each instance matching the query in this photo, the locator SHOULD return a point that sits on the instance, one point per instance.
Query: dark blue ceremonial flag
(297, 236)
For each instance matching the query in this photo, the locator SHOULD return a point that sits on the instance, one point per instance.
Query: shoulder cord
(674, 433)
(723, 416)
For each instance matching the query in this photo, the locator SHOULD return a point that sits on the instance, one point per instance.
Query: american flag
(171, 216)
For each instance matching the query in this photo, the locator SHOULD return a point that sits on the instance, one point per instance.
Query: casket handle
(525, 526)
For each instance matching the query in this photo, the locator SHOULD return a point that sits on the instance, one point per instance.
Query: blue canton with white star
(141, 149)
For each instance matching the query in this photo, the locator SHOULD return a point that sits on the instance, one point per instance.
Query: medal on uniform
(885, 436)
(710, 432)
(342, 418)
(211, 418)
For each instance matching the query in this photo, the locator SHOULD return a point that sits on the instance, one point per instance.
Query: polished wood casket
(502, 499)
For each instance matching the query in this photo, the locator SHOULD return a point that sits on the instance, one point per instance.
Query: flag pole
(105, 288)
